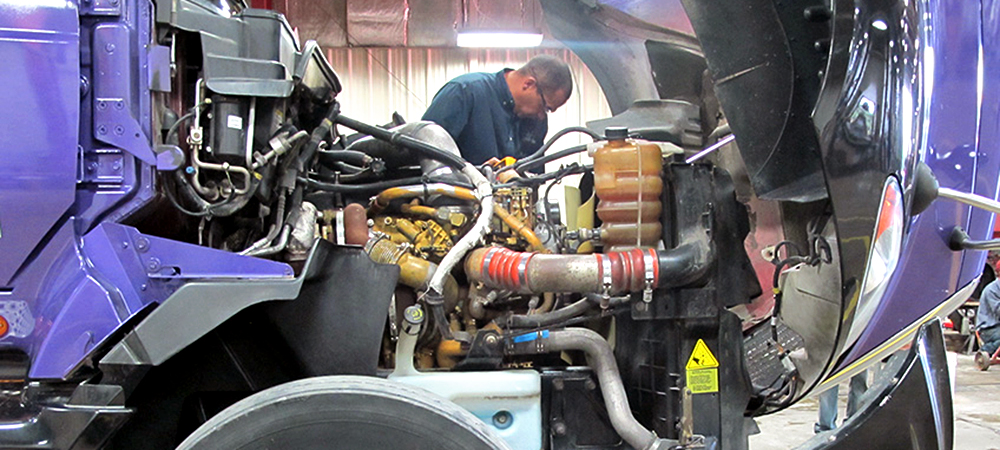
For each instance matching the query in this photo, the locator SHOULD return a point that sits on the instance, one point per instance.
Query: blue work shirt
(988, 314)
(477, 109)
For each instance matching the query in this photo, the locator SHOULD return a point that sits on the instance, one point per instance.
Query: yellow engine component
(414, 271)
(514, 218)
(428, 239)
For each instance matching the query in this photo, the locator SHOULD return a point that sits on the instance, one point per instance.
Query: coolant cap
(616, 133)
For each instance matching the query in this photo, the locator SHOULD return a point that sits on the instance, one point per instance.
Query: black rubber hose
(352, 157)
(524, 165)
(549, 318)
(403, 140)
(371, 187)
(685, 264)
(541, 151)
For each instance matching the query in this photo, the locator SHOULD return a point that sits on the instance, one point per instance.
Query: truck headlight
(882, 258)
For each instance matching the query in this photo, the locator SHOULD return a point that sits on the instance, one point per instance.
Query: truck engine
(489, 281)
(227, 259)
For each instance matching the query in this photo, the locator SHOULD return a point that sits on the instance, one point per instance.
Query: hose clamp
(606, 283)
(648, 260)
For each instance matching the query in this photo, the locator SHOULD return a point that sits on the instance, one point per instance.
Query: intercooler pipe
(602, 360)
(414, 272)
(609, 273)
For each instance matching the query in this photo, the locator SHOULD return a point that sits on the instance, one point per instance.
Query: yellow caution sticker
(702, 370)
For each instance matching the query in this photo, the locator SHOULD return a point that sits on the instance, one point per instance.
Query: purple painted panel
(988, 162)
(113, 72)
(124, 272)
(929, 272)
(40, 88)
(121, 80)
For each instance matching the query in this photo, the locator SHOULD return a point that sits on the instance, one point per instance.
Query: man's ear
(529, 82)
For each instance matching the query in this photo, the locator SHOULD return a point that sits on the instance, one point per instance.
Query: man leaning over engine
(493, 115)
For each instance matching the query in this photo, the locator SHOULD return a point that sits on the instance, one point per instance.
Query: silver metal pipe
(278, 246)
(602, 360)
(976, 201)
(711, 148)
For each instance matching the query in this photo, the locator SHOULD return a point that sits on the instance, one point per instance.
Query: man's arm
(450, 109)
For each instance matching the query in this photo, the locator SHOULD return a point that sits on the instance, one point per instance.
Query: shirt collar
(503, 90)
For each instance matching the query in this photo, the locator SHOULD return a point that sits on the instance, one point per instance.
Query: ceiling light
(504, 39)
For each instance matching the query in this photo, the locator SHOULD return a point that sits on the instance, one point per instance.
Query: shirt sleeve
(450, 109)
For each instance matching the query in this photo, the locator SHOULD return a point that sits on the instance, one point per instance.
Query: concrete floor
(977, 413)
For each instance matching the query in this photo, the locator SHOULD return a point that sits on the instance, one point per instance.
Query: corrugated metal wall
(379, 81)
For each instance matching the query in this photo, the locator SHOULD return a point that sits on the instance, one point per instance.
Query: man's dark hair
(551, 73)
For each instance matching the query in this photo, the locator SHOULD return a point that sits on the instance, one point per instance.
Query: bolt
(119, 130)
(142, 244)
(92, 167)
(558, 384)
(492, 339)
(153, 265)
(117, 166)
(124, 244)
(143, 287)
(102, 106)
(590, 385)
(84, 86)
(102, 130)
(120, 105)
(110, 48)
(559, 429)
(502, 419)
(640, 307)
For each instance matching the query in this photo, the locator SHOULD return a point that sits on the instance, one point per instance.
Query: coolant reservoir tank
(628, 183)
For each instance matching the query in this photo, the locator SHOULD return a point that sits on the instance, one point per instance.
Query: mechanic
(988, 317)
(493, 115)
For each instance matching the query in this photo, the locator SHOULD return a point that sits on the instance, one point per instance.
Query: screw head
(559, 429)
(110, 48)
(142, 244)
(502, 420)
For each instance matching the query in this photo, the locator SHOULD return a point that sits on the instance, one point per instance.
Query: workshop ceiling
(412, 23)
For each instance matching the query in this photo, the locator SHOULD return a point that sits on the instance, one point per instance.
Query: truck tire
(344, 412)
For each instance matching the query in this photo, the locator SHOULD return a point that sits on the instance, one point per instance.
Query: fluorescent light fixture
(502, 39)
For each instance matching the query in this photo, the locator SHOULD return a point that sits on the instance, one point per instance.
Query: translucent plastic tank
(628, 183)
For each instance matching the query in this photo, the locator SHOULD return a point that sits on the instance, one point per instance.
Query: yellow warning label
(702, 370)
(703, 381)
(701, 357)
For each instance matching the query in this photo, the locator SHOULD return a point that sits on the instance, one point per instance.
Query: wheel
(344, 412)
(982, 361)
